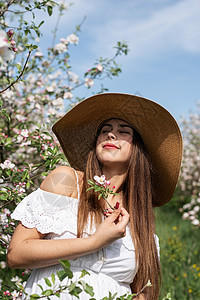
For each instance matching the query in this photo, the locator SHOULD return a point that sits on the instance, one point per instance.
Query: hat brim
(77, 129)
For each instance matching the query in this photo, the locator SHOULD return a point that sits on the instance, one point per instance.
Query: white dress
(111, 269)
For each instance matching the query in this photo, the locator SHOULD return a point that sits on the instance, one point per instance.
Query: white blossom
(2, 264)
(68, 95)
(58, 102)
(60, 48)
(39, 54)
(100, 179)
(64, 41)
(73, 77)
(185, 215)
(73, 39)
(89, 82)
(24, 133)
(7, 165)
(195, 222)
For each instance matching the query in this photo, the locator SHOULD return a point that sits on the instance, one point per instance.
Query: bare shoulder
(62, 181)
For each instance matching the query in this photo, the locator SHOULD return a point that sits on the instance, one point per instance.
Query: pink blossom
(5, 52)
(13, 43)
(89, 82)
(100, 67)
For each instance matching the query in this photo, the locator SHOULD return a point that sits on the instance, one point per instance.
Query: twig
(2, 12)
(20, 75)
(144, 287)
(6, 203)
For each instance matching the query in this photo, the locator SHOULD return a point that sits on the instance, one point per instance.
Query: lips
(110, 146)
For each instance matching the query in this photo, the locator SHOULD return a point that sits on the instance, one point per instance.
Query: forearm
(37, 253)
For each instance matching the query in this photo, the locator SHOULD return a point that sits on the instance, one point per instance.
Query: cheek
(98, 147)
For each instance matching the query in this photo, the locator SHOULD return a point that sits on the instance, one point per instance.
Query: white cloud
(171, 27)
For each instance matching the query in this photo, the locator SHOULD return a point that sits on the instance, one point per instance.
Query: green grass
(180, 254)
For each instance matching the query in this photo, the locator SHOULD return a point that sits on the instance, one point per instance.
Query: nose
(111, 136)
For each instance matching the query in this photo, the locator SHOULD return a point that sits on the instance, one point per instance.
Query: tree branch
(20, 75)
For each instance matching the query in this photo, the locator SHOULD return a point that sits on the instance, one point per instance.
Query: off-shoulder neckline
(57, 194)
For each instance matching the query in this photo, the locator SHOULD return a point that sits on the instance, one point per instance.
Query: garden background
(45, 72)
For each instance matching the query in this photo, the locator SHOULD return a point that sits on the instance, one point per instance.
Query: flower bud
(10, 33)
(12, 43)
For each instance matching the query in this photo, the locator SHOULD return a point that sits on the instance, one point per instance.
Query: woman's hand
(111, 229)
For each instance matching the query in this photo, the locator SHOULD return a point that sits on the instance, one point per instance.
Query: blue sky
(164, 41)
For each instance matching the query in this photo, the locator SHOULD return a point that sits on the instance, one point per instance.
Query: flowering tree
(189, 183)
(36, 89)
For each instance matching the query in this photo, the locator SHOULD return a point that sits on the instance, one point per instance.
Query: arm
(28, 249)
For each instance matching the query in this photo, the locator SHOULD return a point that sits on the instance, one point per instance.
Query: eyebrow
(120, 125)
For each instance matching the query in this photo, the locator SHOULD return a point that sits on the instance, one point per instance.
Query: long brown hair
(138, 195)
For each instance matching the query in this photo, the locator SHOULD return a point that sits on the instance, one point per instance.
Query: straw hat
(77, 129)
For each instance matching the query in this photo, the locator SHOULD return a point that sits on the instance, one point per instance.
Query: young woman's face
(115, 142)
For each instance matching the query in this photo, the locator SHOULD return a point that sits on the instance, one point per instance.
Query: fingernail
(116, 205)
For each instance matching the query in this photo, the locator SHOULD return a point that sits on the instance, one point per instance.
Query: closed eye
(125, 132)
(104, 131)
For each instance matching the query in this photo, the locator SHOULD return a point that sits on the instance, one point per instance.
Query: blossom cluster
(191, 211)
(189, 182)
(7, 46)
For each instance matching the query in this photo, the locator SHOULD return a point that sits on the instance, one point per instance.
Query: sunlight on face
(114, 143)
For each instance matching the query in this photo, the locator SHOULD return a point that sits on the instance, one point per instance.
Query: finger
(124, 211)
(114, 215)
(107, 213)
(124, 218)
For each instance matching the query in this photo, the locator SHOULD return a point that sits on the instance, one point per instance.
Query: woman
(137, 145)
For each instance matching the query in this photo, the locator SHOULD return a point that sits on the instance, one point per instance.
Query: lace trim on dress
(48, 212)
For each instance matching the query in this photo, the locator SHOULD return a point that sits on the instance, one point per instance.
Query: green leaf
(34, 296)
(53, 278)
(40, 287)
(19, 67)
(71, 287)
(57, 294)
(90, 181)
(66, 266)
(47, 292)
(89, 290)
(76, 291)
(99, 196)
(84, 272)
(50, 10)
(61, 275)
(41, 23)
(3, 197)
(48, 282)
(65, 263)
(90, 188)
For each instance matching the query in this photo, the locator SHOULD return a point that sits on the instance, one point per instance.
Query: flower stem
(108, 203)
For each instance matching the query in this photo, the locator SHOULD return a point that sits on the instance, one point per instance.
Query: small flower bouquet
(100, 185)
